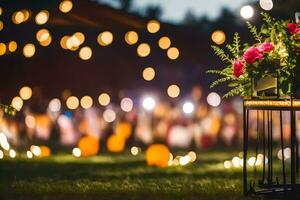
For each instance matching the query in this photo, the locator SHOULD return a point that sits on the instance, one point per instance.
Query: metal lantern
(273, 177)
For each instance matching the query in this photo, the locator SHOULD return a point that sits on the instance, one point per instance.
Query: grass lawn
(121, 176)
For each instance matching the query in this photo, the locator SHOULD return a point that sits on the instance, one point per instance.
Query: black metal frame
(267, 186)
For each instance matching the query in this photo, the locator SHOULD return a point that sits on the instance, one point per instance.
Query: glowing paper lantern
(124, 129)
(25, 93)
(148, 73)
(131, 37)
(218, 37)
(173, 53)
(105, 38)
(89, 145)
(153, 26)
(116, 143)
(164, 42)
(45, 151)
(157, 155)
(29, 50)
(143, 50)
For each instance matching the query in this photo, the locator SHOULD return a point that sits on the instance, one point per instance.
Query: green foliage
(8, 109)
(221, 53)
(254, 32)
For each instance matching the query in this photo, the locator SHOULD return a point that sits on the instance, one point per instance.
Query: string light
(148, 74)
(173, 53)
(143, 50)
(105, 38)
(86, 102)
(65, 6)
(131, 37)
(153, 26)
(173, 91)
(85, 53)
(29, 50)
(42, 17)
(2, 49)
(164, 42)
(104, 99)
(25, 93)
(12, 46)
(72, 102)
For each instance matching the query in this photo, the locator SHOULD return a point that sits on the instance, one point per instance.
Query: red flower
(238, 68)
(293, 28)
(265, 47)
(252, 55)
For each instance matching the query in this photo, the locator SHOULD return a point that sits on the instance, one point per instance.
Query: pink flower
(252, 54)
(293, 28)
(265, 47)
(238, 68)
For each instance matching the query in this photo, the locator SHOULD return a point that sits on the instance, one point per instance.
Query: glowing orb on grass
(45, 151)
(89, 145)
(227, 164)
(124, 130)
(134, 150)
(76, 152)
(29, 154)
(116, 143)
(12, 153)
(1, 154)
(157, 155)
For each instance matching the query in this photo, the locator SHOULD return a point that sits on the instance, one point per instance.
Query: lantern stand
(267, 185)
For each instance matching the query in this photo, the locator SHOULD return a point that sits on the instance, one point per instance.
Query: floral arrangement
(277, 50)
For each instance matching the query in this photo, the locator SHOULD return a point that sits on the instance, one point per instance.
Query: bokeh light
(218, 37)
(192, 155)
(12, 46)
(173, 91)
(126, 104)
(42, 35)
(104, 99)
(148, 103)
(54, 105)
(173, 53)
(153, 26)
(148, 74)
(65, 6)
(29, 50)
(143, 50)
(247, 12)
(25, 93)
(72, 102)
(1, 25)
(85, 53)
(266, 4)
(17, 103)
(105, 38)
(76, 152)
(131, 37)
(134, 150)
(213, 99)
(109, 115)
(29, 154)
(86, 102)
(2, 49)
(164, 42)
(227, 164)
(36, 150)
(30, 121)
(19, 17)
(188, 107)
(12, 153)
(42, 17)
(1, 154)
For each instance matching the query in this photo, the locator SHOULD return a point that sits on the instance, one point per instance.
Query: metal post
(293, 145)
(245, 148)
